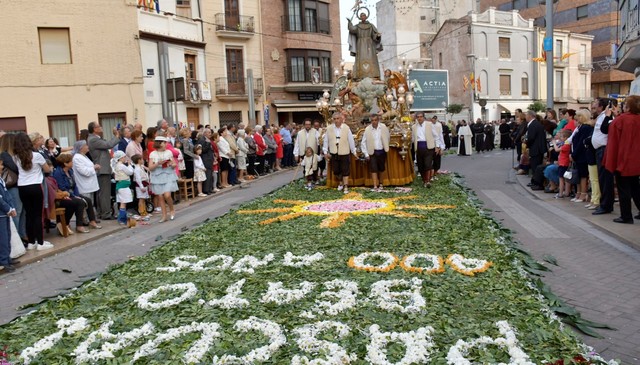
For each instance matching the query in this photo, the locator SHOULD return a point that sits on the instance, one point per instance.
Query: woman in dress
(85, 172)
(279, 149)
(163, 176)
(135, 145)
(31, 166)
(241, 156)
(187, 152)
(224, 150)
(251, 153)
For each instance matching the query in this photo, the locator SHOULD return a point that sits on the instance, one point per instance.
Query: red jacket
(623, 146)
(260, 145)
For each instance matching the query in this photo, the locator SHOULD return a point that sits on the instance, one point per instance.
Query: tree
(537, 106)
(454, 109)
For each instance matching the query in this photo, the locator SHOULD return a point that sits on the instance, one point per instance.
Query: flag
(465, 82)
(478, 87)
(566, 55)
(543, 57)
(473, 81)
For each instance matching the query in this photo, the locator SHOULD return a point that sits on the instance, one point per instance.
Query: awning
(295, 107)
(511, 107)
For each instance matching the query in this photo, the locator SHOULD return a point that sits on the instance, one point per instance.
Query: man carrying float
(338, 146)
(374, 146)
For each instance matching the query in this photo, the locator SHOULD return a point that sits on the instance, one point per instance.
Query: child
(523, 167)
(122, 172)
(181, 164)
(310, 163)
(199, 169)
(563, 162)
(7, 211)
(141, 177)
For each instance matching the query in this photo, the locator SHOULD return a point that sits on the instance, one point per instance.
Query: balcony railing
(304, 76)
(321, 25)
(239, 23)
(237, 88)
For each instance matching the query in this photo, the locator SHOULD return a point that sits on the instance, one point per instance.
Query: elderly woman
(270, 152)
(621, 157)
(134, 147)
(241, 156)
(207, 159)
(64, 176)
(251, 152)
(85, 171)
(187, 151)
(579, 153)
(225, 150)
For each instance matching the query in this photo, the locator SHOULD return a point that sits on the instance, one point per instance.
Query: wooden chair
(186, 188)
(63, 221)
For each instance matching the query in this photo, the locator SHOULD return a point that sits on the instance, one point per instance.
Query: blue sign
(547, 44)
(431, 90)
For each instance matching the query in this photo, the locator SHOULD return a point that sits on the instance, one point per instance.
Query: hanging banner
(431, 90)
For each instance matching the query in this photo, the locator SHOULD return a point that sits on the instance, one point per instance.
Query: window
(300, 62)
(230, 118)
(558, 84)
(557, 50)
(612, 88)
(13, 125)
(440, 60)
(55, 46)
(308, 15)
(108, 121)
(524, 85)
(504, 45)
(235, 70)
(64, 128)
(505, 84)
(582, 12)
(583, 54)
(183, 8)
(190, 66)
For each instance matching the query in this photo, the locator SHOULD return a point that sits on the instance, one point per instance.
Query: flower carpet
(313, 277)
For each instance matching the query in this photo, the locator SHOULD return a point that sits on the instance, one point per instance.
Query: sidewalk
(627, 233)
(110, 227)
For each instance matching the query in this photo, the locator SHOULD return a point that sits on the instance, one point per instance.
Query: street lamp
(472, 59)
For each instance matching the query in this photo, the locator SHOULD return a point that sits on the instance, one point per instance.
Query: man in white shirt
(375, 145)
(599, 140)
(307, 137)
(437, 158)
(338, 147)
(424, 143)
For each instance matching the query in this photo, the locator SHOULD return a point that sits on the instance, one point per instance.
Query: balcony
(237, 27)
(235, 91)
(585, 66)
(629, 50)
(169, 25)
(573, 96)
(301, 81)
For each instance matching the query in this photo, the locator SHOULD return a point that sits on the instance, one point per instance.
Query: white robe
(466, 132)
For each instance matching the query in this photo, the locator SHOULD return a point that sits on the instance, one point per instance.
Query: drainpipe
(206, 117)
(536, 83)
(163, 58)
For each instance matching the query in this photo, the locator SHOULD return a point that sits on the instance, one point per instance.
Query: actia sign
(431, 90)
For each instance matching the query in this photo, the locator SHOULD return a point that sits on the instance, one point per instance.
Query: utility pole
(548, 48)
(252, 107)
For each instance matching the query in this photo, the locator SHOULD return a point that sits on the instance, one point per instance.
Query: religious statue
(364, 44)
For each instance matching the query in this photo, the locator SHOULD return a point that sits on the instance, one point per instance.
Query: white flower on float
(84, 352)
(417, 344)
(189, 290)
(231, 300)
(405, 301)
(340, 296)
(270, 329)
(458, 353)
(209, 332)
(248, 263)
(292, 260)
(68, 326)
(308, 342)
(279, 295)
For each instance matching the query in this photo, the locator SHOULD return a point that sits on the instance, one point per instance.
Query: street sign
(431, 90)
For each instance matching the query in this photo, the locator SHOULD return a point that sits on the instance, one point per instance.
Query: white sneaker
(158, 209)
(340, 187)
(346, 190)
(45, 246)
(31, 246)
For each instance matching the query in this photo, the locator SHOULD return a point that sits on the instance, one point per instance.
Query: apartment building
(65, 65)
(301, 49)
(599, 18)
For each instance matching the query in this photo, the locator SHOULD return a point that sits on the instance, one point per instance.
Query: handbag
(17, 248)
(571, 175)
(10, 178)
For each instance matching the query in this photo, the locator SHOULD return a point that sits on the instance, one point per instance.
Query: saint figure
(364, 44)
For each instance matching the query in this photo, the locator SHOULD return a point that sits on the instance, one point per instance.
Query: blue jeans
(20, 219)
(5, 241)
(551, 173)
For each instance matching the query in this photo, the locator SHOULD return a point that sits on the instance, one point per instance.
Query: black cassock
(489, 135)
(478, 136)
(505, 136)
